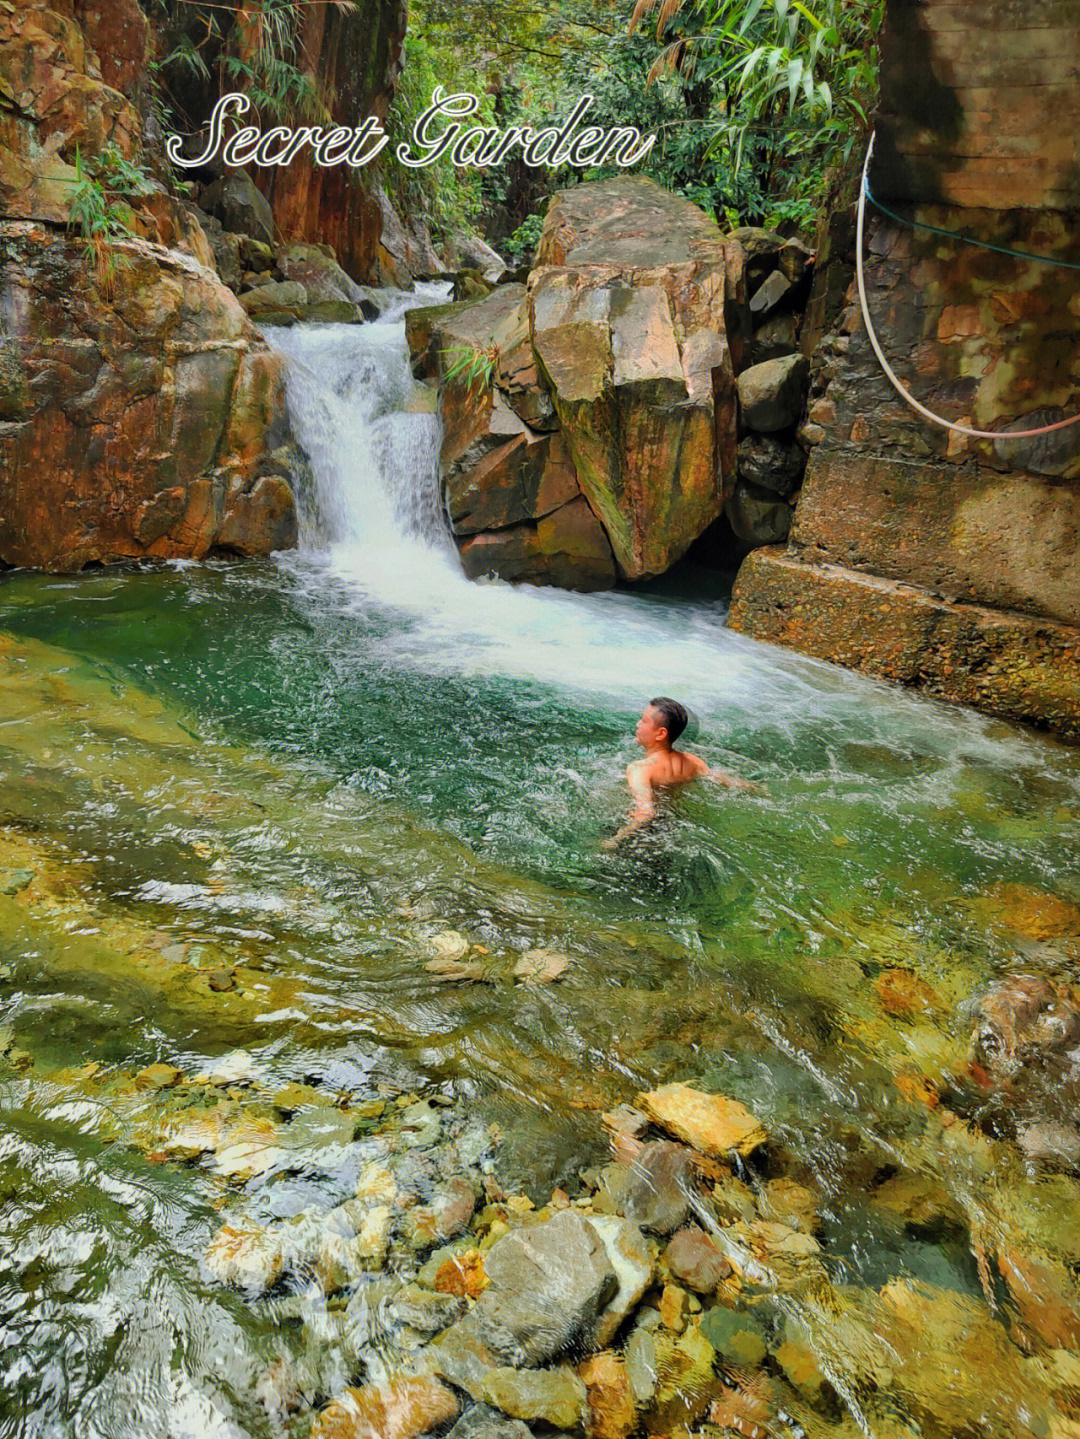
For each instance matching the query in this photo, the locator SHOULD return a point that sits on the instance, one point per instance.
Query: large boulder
(589, 420)
(140, 414)
(636, 307)
(316, 268)
(509, 483)
(464, 251)
(772, 394)
(546, 1286)
(234, 200)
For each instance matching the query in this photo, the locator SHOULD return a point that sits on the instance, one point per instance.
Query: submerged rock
(540, 966)
(426, 1311)
(736, 1335)
(547, 1283)
(630, 1258)
(246, 1257)
(556, 1396)
(444, 1218)
(1024, 1019)
(484, 1422)
(158, 1076)
(693, 1258)
(250, 1147)
(1032, 913)
(710, 1123)
(399, 1408)
(654, 1189)
(14, 881)
(461, 1355)
(685, 1381)
(612, 1413)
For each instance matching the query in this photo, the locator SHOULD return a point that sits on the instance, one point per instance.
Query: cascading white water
(374, 463)
(374, 520)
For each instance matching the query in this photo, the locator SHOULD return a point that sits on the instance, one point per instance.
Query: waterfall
(374, 463)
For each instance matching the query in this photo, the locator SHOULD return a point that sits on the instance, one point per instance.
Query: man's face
(649, 730)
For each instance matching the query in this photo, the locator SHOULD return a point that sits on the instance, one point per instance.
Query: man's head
(662, 722)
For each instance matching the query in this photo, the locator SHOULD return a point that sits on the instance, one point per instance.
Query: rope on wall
(904, 394)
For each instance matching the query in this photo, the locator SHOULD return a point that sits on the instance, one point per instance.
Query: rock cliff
(140, 412)
(355, 52)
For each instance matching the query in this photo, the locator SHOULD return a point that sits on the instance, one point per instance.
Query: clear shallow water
(306, 769)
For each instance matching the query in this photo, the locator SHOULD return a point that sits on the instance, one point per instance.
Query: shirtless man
(662, 722)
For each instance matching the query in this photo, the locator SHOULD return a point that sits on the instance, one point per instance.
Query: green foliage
(449, 199)
(276, 87)
(778, 63)
(100, 219)
(521, 245)
(185, 57)
(254, 48)
(752, 101)
(474, 367)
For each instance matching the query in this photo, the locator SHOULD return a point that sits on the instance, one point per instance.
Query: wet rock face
(144, 416)
(511, 489)
(975, 336)
(140, 414)
(1001, 662)
(356, 54)
(56, 99)
(546, 1284)
(1025, 1021)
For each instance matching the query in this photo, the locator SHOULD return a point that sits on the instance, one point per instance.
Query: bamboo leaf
(750, 14)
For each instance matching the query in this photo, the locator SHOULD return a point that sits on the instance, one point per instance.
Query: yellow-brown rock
(1030, 912)
(709, 1122)
(611, 1405)
(146, 418)
(634, 313)
(400, 1408)
(999, 661)
(55, 101)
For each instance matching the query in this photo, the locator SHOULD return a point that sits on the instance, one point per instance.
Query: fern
(100, 220)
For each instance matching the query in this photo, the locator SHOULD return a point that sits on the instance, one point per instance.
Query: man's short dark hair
(673, 716)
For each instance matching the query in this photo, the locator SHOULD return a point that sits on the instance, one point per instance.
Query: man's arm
(644, 808)
(732, 781)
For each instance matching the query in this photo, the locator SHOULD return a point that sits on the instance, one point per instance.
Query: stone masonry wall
(978, 103)
(905, 531)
